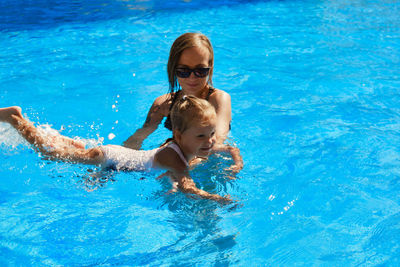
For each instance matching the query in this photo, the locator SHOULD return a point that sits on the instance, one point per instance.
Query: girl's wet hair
(191, 110)
(183, 42)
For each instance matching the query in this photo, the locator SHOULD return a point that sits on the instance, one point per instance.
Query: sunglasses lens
(201, 72)
(198, 72)
(183, 73)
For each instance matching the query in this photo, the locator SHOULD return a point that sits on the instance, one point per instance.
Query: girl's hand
(222, 199)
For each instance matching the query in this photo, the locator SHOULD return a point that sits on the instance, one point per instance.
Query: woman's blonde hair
(183, 42)
(191, 110)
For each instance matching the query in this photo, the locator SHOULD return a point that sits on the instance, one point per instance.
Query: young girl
(190, 67)
(193, 125)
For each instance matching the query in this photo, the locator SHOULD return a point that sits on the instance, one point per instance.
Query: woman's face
(191, 58)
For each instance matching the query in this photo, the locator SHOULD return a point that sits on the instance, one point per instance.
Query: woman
(190, 70)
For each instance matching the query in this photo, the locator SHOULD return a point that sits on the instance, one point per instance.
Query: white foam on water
(9, 136)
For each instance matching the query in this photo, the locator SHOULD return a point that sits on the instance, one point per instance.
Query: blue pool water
(316, 114)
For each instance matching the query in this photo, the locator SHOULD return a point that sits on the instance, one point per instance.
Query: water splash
(10, 138)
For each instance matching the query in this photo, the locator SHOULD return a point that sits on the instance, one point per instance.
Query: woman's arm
(222, 103)
(235, 154)
(157, 112)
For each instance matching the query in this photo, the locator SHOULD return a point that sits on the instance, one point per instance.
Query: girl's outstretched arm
(168, 159)
(187, 185)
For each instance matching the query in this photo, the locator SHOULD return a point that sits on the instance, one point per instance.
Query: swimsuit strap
(210, 91)
(167, 123)
(178, 151)
(174, 99)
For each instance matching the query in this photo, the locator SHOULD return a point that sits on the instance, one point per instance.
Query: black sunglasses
(198, 72)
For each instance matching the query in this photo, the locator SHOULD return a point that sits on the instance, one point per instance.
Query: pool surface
(316, 114)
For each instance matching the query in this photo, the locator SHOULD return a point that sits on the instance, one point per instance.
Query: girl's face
(191, 58)
(197, 140)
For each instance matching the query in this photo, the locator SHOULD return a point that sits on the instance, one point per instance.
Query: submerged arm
(187, 185)
(168, 159)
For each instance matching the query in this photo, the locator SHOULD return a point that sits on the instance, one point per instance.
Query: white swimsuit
(127, 159)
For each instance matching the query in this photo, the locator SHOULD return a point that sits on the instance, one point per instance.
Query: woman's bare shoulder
(162, 103)
(220, 91)
(162, 99)
(220, 97)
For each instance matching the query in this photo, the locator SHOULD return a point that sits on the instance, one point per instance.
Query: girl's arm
(235, 154)
(187, 185)
(168, 159)
(154, 118)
